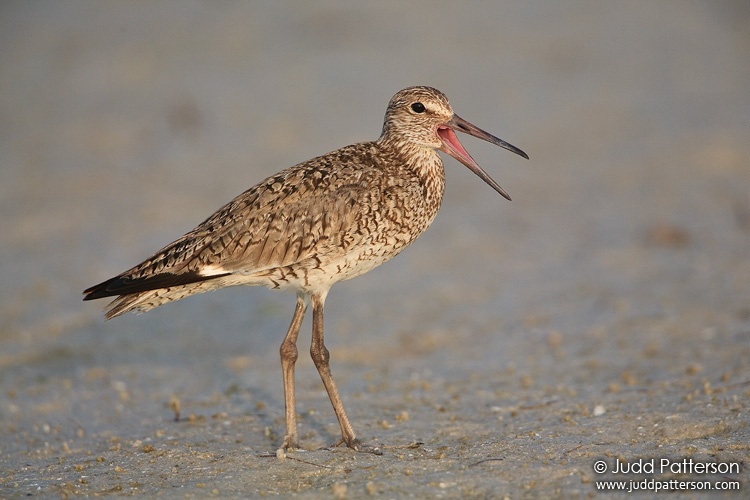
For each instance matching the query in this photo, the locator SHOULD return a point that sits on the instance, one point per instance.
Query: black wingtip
(124, 285)
(101, 290)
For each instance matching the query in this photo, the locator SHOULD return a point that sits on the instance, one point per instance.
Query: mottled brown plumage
(319, 222)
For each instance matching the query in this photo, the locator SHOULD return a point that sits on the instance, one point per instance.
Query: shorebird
(312, 225)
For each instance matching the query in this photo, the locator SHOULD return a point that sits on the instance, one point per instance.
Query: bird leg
(320, 357)
(288, 353)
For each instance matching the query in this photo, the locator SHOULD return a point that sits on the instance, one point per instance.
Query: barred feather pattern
(325, 220)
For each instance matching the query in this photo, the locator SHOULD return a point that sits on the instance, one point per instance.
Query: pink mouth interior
(451, 141)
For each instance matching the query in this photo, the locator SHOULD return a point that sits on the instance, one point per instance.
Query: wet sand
(604, 314)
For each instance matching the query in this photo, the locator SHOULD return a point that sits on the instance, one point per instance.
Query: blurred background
(623, 259)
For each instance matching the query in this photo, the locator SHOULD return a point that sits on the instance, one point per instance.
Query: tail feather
(125, 303)
(141, 302)
(144, 294)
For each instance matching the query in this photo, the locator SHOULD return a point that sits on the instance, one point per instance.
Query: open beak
(453, 147)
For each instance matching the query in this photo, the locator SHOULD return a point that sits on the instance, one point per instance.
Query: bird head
(423, 117)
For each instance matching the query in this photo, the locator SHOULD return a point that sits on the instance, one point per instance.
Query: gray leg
(320, 357)
(288, 353)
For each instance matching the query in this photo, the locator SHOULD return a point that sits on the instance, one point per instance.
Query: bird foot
(290, 444)
(356, 445)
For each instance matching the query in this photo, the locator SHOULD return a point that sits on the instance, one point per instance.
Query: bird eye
(417, 107)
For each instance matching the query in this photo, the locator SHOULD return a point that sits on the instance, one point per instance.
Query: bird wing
(299, 213)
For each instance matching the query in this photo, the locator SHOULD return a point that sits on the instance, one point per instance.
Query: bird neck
(424, 163)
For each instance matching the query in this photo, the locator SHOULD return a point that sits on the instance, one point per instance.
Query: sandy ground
(604, 314)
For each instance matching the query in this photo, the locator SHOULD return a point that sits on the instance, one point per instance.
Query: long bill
(453, 147)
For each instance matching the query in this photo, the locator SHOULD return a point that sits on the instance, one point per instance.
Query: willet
(312, 225)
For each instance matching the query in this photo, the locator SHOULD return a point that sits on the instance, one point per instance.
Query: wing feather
(302, 212)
